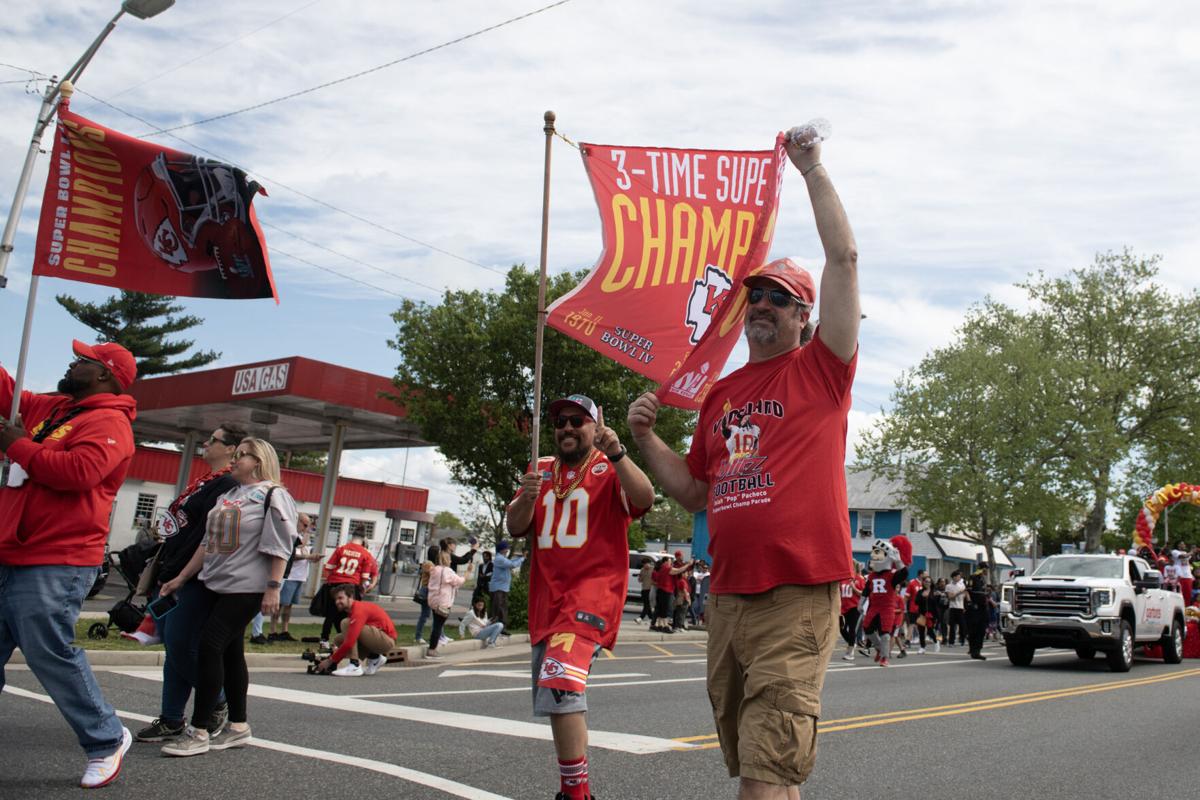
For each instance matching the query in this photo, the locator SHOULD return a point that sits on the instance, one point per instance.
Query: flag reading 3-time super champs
(681, 229)
(122, 212)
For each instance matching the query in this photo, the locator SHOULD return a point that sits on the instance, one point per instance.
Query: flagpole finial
(549, 117)
(66, 89)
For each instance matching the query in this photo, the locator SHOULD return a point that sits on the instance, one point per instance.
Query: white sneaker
(419, 640)
(103, 771)
(323, 645)
(489, 645)
(373, 664)
(444, 640)
(349, 671)
(921, 651)
(848, 657)
(937, 647)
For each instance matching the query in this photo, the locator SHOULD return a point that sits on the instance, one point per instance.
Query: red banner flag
(681, 229)
(135, 215)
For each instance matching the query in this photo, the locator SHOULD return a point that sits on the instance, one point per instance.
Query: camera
(314, 660)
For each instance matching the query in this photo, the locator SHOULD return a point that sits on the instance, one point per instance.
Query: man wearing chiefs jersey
(578, 505)
(353, 565)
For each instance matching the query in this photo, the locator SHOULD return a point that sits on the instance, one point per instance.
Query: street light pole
(142, 9)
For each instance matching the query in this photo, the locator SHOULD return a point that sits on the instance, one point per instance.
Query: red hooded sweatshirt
(60, 514)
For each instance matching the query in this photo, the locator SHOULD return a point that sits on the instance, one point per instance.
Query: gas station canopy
(295, 403)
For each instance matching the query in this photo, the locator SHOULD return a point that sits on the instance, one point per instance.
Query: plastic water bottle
(811, 132)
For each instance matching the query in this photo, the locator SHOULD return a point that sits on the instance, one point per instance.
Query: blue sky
(973, 143)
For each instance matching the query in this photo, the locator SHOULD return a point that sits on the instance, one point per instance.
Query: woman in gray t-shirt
(248, 538)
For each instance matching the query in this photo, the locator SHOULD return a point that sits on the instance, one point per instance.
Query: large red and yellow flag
(119, 211)
(681, 229)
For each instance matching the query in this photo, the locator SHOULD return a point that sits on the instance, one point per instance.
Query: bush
(518, 601)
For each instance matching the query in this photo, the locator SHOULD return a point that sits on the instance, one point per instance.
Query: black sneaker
(260, 639)
(285, 637)
(272, 637)
(160, 731)
(220, 719)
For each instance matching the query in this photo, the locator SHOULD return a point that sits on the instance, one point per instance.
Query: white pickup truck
(1092, 603)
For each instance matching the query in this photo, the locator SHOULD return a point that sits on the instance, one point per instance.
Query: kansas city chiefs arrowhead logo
(706, 298)
(167, 245)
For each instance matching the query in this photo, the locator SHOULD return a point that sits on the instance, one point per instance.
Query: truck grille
(1053, 601)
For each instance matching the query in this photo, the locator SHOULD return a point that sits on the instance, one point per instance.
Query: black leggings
(222, 660)
(646, 612)
(435, 635)
(849, 625)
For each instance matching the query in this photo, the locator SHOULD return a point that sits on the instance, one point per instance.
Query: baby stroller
(126, 615)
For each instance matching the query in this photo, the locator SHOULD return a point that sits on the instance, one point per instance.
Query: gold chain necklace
(587, 462)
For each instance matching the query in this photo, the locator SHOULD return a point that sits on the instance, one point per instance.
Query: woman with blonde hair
(248, 538)
(443, 585)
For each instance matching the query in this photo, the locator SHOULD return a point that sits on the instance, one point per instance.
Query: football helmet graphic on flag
(194, 214)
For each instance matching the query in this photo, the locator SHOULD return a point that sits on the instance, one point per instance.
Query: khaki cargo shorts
(767, 655)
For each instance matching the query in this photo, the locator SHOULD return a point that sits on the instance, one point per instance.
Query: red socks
(573, 778)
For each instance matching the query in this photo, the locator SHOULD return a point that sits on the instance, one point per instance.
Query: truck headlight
(1006, 596)
(1101, 598)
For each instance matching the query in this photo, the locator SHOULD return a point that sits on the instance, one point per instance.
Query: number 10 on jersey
(566, 521)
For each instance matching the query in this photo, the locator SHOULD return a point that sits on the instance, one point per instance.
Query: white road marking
(525, 674)
(608, 740)
(681, 660)
(410, 775)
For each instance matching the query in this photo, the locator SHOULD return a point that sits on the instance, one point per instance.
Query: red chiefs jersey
(881, 593)
(580, 570)
(351, 563)
(914, 586)
(849, 598)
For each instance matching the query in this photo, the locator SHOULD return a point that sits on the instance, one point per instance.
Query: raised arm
(665, 464)
(840, 312)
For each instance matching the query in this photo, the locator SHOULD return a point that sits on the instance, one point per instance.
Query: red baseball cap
(116, 359)
(789, 275)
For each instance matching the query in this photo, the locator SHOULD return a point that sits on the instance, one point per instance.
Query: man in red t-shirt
(367, 629)
(767, 462)
(910, 595)
(578, 506)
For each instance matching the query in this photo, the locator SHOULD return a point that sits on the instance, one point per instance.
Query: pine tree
(128, 319)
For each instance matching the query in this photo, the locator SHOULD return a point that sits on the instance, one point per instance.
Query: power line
(276, 250)
(348, 257)
(191, 61)
(351, 77)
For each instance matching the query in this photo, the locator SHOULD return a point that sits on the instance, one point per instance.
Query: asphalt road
(939, 724)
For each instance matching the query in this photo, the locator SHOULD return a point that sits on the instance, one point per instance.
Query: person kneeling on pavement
(480, 626)
(367, 629)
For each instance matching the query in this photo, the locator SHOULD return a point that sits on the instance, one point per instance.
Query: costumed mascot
(890, 559)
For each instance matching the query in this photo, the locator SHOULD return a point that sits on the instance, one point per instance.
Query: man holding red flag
(767, 461)
(54, 514)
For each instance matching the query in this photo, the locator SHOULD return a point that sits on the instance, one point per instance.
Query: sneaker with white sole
(160, 730)
(220, 719)
(372, 665)
(937, 647)
(433, 654)
(228, 738)
(349, 671)
(192, 742)
(921, 651)
(848, 657)
(444, 640)
(141, 638)
(104, 770)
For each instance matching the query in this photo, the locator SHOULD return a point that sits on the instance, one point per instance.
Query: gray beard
(761, 335)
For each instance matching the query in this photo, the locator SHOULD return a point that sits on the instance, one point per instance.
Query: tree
(666, 520)
(1123, 352)
(962, 438)
(305, 460)
(466, 379)
(448, 520)
(127, 320)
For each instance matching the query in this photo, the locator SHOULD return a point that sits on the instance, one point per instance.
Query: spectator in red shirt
(353, 565)
(54, 512)
(367, 630)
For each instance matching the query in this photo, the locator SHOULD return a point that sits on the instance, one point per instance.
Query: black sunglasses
(778, 297)
(212, 439)
(576, 421)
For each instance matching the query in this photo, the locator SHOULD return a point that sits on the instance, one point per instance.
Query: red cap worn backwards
(116, 359)
(789, 275)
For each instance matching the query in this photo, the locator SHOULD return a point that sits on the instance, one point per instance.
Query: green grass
(404, 636)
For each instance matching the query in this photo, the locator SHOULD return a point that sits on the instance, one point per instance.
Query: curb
(413, 655)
